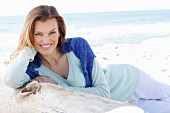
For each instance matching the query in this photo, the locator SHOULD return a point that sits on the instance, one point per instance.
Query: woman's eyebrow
(41, 32)
(53, 29)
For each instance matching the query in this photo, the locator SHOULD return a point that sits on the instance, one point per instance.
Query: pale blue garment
(122, 80)
(15, 76)
(76, 79)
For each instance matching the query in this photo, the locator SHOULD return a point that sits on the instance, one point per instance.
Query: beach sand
(152, 55)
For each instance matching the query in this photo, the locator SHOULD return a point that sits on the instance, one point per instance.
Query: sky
(22, 7)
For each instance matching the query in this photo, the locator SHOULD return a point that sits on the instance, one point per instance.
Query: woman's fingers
(44, 79)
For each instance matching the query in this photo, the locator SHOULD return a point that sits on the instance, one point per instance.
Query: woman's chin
(45, 53)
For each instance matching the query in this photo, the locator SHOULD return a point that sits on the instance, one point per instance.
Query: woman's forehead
(43, 25)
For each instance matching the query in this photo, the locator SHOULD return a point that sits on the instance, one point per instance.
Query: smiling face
(46, 36)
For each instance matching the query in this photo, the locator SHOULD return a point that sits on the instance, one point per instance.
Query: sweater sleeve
(15, 75)
(99, 85)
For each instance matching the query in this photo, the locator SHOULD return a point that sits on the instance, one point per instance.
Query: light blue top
(76, 79)
(121, 79)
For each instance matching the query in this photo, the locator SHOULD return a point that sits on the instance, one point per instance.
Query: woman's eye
(52, 32)
(38, 34)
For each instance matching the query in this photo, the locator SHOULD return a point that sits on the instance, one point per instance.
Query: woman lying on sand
(45, 55)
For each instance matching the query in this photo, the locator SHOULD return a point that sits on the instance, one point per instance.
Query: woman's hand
(44, 79)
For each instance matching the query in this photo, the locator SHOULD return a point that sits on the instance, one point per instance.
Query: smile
(46, 46)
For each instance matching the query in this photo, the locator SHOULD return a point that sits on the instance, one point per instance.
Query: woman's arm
(15, 75)
(44, 79)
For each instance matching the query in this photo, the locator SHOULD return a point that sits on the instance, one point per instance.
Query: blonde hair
(39, 13)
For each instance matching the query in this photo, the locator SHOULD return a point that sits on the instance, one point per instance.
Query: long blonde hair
(39, 13)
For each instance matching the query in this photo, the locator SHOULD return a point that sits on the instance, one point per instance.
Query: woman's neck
(51, 59)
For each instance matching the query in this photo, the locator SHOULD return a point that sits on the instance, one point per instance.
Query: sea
(103, 27)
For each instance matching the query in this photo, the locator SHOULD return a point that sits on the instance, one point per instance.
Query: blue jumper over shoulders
(80, 48)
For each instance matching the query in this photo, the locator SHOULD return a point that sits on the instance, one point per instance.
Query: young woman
(43, 54)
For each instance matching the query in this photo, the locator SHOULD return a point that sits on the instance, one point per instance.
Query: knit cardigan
(80, 48)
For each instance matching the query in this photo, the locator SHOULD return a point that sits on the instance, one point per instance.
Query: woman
(43, 50)
(43, 54)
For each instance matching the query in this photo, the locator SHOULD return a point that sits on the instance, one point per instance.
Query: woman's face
(46, 36)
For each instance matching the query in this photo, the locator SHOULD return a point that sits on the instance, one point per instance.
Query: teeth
(45, 46)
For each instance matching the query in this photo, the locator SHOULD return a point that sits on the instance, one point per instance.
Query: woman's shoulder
(78, 40)
(75, 43)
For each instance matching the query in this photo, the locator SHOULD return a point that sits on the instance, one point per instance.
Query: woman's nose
(45, 38)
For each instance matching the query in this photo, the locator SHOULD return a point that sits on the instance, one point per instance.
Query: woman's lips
(46, 46)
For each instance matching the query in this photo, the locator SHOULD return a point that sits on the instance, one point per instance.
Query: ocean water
(102, 27)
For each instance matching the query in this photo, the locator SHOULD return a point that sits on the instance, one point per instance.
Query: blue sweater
(81, 49)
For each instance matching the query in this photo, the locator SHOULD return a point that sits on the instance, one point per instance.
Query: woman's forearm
(15, 75)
